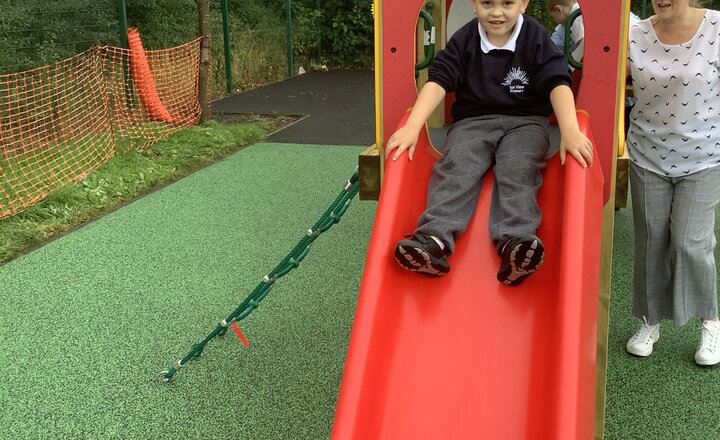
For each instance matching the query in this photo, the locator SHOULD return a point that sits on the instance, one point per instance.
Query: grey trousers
(674, 271)
(515, 146)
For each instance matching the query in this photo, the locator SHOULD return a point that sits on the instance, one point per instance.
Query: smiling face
(498, 17)
(668, 8)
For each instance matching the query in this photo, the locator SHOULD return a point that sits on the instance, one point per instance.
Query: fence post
(228, 53)
(291, 68)
(127, 80)
(203, 7)
(122, 19)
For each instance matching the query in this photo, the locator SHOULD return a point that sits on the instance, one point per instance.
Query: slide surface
(462, 356)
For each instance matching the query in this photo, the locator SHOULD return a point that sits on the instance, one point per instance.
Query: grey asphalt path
(338, 107)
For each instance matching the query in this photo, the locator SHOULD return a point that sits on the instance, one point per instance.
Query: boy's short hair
(552, 3)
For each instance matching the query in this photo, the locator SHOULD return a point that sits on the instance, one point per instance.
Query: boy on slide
(507, 76)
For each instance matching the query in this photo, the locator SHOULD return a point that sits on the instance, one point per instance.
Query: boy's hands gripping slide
(405, 138)
(572, 140)
(578, 146)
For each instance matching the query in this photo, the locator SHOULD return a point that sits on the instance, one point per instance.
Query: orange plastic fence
(60, 122)
(144, 79)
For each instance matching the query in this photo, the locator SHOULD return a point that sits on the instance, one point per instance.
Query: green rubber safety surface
(664, 396)
(91, 319)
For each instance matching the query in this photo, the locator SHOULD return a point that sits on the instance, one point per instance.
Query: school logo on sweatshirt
(516, 80)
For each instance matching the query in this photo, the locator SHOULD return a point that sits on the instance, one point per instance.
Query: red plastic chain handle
(240, 335)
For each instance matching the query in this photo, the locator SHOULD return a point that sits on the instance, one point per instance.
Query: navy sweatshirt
(500, 82)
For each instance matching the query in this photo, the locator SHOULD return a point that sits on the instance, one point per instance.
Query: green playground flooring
(90, 320)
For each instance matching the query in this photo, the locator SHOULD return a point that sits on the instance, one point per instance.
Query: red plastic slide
(462, 356)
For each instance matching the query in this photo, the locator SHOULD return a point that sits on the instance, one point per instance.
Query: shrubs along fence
(60, 122)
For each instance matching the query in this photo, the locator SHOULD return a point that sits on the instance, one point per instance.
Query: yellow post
(608, 233)
(370, 163)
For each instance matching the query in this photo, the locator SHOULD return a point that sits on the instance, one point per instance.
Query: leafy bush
(306, 32)
(349, 30)
(538, 10)
(37, 32)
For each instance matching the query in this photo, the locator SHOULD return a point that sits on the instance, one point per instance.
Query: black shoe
(421, 253)
(521, 257)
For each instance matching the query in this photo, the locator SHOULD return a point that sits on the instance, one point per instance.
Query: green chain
(291, 261)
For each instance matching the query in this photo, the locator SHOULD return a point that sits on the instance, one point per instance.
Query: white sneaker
(708, 353)
(641, 343)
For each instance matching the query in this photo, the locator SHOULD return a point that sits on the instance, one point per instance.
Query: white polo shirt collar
(486, 46)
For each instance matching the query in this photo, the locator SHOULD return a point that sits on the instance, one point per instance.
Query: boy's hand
(572, 140)
(577, 145)
(405, 138)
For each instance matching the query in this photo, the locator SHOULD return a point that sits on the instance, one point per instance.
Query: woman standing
(674, 146)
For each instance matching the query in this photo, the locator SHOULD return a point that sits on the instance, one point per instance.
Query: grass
(31, 173)
(125, 176)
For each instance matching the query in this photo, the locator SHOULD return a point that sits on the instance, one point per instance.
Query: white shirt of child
(577, 29)
(486, 46)
(675, 124)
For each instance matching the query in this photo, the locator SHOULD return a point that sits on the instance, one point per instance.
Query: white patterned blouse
(675, 124)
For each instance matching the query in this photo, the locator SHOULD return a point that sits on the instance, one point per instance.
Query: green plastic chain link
(291, 261)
